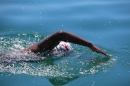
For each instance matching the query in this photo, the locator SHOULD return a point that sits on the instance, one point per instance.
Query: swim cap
(64, 46)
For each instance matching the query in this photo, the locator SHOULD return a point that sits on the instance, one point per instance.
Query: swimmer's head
(64, 46)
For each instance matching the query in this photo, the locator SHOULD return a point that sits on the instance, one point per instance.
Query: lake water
(105, 23)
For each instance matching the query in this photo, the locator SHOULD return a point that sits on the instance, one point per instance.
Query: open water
(105, 23)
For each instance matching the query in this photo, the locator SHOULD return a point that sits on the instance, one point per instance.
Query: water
(104, 23)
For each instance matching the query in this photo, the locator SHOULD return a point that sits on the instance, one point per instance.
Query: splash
(67, 69)
(69, 66)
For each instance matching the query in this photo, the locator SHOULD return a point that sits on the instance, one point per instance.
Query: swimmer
(61, 38)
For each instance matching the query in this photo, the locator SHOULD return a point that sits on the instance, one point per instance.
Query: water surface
(104, 23)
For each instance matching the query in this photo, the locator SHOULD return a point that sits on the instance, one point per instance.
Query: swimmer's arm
(53, 40)
(98, 50)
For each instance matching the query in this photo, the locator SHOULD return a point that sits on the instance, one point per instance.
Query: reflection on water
(59, 74)
(60, 71)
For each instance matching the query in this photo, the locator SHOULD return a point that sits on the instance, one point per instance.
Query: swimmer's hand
(98, 50)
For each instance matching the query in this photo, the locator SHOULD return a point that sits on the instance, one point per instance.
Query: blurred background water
(105, 23)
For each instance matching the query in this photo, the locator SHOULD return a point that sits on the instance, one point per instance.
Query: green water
(104, 23)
